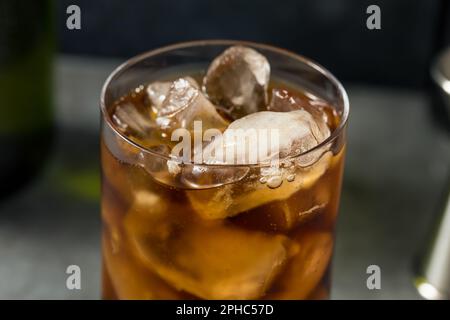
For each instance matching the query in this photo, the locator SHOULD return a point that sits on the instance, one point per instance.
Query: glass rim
(198, 43)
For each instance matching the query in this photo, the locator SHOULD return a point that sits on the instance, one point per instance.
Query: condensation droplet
(263, 180)
(274, 182)
(290, 177)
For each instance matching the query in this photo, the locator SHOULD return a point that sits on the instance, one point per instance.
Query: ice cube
(307, 268)
(114, 174)
(131, 121)
(157, 92)
(114, 200)
(184, 104)
(283, 216)
(238, 80)
(211, 260)
(232, 199)
(130, 277)
(265, 136)
(284, 101)
(137, 125)
(205, 177)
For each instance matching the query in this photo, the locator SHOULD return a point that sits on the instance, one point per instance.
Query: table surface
(396, 166)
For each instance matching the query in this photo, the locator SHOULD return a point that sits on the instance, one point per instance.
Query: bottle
(26, 113)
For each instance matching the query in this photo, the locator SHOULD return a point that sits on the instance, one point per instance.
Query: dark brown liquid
(242, 240)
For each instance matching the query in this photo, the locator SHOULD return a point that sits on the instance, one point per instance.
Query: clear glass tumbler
(218, 231)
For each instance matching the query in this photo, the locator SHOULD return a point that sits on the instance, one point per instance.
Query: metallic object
(440, 73)
(433, 277)
(433, 281)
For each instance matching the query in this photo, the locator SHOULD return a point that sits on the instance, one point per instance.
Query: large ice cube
(114, 173)
(238, 80)
(307, 268)
(132, 121)
(157, 93)
(264, 136)
(211, 260)
(205, 177)
(184, 104)
(136, 123)
(283, 216)
(284, 101)
(232, 199)
(130, 277)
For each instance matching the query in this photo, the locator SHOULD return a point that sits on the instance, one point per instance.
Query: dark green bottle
(26, 113)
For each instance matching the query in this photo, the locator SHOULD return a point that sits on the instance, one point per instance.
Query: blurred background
(50, 81)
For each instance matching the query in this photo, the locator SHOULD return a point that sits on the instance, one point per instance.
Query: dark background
(332, 32)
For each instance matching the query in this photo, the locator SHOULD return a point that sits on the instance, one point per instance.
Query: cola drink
(258, 224)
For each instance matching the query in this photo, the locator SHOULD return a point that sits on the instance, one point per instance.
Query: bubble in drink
(290, 177)
(238, 80)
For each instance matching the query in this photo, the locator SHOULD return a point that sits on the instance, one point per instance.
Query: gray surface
(397, 163)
